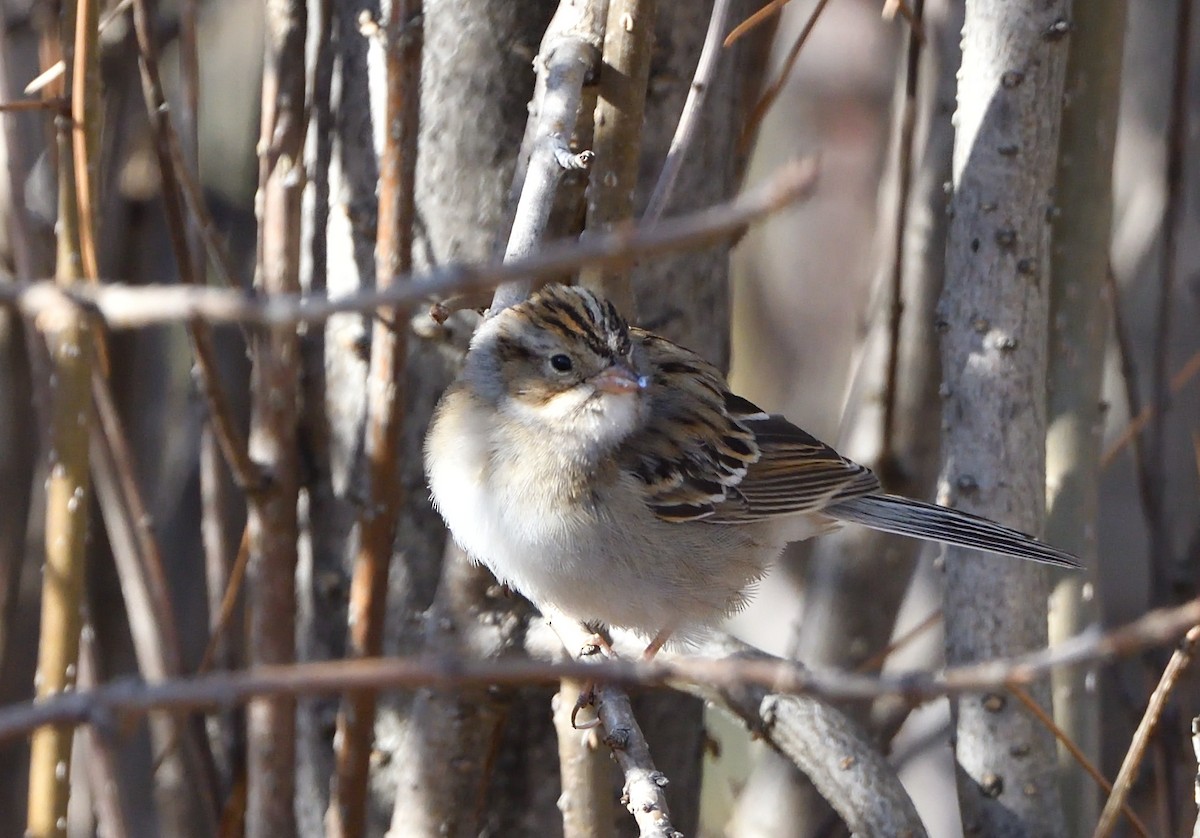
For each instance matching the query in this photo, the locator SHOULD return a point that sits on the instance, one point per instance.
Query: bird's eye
(562, 363)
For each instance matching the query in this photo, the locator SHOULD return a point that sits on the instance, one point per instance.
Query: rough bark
(476, 746)
(994, 323)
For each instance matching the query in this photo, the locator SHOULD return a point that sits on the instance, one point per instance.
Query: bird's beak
(619, 379)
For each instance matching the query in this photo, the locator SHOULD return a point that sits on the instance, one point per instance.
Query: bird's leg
(597, 644)
(656, 644)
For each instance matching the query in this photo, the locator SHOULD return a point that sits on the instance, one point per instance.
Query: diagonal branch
(124, 307)
(568, 54)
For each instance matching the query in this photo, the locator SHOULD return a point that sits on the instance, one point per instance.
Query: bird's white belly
(573, 557)
(532, 550)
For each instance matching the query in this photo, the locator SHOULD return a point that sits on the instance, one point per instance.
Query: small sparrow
(610, 476)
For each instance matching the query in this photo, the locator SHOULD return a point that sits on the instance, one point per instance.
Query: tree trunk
(994, 324)
(1079, 265)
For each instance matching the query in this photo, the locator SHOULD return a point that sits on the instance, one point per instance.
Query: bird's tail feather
(903, 516)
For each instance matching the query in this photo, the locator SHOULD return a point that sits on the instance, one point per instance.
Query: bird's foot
(587, 698)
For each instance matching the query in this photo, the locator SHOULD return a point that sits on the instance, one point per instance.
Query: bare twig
(179, 751)
(123, 307)
(771, 8)
(228, 603)
(569, 52)
(131, 698)
(689, 119)
(1141, 738)
(70, 342)
(1196, 791)
(101, 761)
(85, 129)
(1178, 381)
(620, 109)
(903, 167)
(275, 387)
(768, 97)
(1078, 755)
(876, 661)
(1079, 257)
(643, 792)
(22, 105)
(385, 414)
(232, 440)
(586, 800)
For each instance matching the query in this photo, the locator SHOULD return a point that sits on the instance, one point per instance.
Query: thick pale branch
(832, 751)
(568, 53)
(689, 119)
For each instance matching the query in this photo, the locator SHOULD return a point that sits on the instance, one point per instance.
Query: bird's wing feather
(795, 473)
(735, 463)
(694, 450)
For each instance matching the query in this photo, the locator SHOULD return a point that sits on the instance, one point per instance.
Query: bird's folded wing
(709, 454)
(694, 449)
(795, 473)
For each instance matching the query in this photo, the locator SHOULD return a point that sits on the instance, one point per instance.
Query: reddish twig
(1141, 738)
(1078, 755)
(229, 435)
(876, 661)
(1178, 381)
(774, 7)
(773, 90)
(385, 414)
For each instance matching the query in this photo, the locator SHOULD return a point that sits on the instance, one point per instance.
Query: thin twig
(764, 103)
(23, 105)
(101, 763)
(386, 400)
(774, 7)
(1078, 755)
(904, 173)
(229, 598)
(275, 391)
(126, 307)
(232, 441)
(148, 605)
(85, 129)
(1178, 381)
(689, 119)
(1141, 737)
(132, 698)
(1196, 789)
(876, 661)
(568, 53)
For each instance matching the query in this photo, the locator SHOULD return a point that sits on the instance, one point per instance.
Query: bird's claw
(587, 698)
